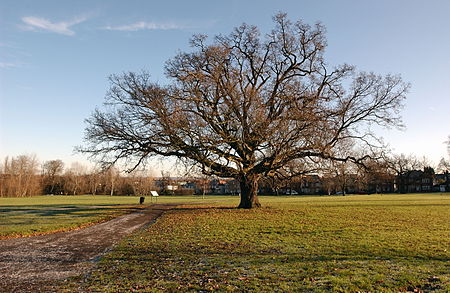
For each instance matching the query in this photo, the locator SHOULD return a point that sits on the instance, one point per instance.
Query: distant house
(312, 184)
(217, 186)
(387, 185)
(416, 181)
(232, 187)
(441, 182)
(380, 182)
(224, 186)
(175, 185)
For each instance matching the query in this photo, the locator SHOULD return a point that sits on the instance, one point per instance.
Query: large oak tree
(244, 105)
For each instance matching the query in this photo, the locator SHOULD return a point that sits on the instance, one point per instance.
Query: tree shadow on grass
(203, 208)
(29, 221)
(269, 256)
(22, 208)
(378, 205)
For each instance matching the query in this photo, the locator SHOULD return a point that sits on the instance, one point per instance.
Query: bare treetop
(245, 105)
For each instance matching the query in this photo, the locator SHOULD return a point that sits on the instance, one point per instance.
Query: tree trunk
(249, 192)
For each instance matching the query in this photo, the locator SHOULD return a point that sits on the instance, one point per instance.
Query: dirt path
(38, 264)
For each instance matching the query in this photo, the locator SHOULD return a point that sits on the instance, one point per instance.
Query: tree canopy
(245, 105)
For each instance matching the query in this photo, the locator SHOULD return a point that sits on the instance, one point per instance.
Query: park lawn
(367, 243)
(46, 214)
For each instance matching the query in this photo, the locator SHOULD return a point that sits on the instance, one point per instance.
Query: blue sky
(55, 57)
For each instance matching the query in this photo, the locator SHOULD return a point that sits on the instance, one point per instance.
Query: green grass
(376, 243)
(46, 214)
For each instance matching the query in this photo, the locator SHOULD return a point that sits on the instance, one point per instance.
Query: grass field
(45, 214)
(376, 243)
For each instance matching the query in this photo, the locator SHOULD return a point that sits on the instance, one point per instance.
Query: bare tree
(330, 185)
(52, 170)
(401, 165)
(75, 178)
(245, 105)
(203, 184)
(93, 181)
(19, 178)
(287, 176)
(112, 176)
(343, 171)
(141, 182)
(4, 178)
(377, 177)
(443, 166)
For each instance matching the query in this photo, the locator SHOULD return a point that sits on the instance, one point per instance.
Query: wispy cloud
(143, 25)
(33, 23)
(5, 45)
(4, 65)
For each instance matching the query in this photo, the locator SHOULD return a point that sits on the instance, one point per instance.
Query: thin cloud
(432, 109)
(6, 45)
(33, 23)
(143, 25)
(4, 65)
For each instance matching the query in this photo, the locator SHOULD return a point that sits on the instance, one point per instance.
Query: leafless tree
(53, 167)
(342, 171)
(111, 176)
(52, 170)
(401, 165)
(141, 181)
(288, 176)
(244, 105)
(75, 178)
(203, 183)
(443, 166)
(329, 184)
(19, 178)
(94, 181)
(376, 176)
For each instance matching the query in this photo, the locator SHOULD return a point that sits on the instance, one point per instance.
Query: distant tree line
(24, 175)
(395, 173)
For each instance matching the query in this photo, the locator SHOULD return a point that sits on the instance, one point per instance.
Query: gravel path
(38, 264)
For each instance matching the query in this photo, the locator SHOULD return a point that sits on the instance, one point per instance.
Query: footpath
(39, 263)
